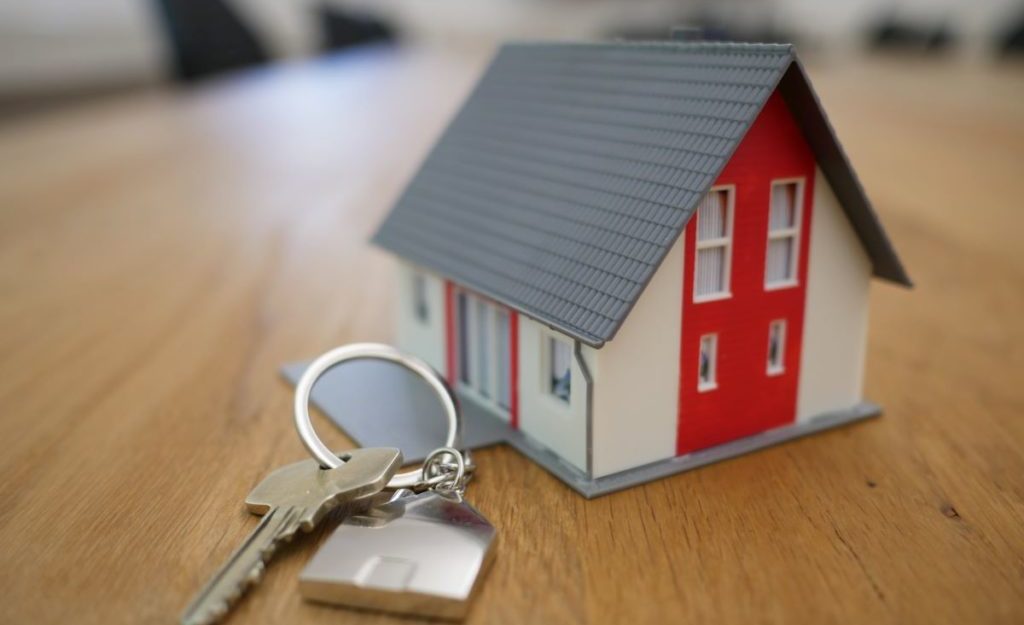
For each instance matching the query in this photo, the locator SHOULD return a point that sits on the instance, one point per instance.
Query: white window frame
(712, 383)
(783, 233)
(471, 366)
(549, 339)
(504, 403)
(726, 242)
(485, 356)
(420, 298)
(777, 368)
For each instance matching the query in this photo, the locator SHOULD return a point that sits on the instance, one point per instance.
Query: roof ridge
(674, 44)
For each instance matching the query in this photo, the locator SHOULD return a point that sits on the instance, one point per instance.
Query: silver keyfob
(419, 554)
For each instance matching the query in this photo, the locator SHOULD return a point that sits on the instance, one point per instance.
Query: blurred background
(59, 52)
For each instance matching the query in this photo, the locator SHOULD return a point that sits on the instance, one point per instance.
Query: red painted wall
(747, 400)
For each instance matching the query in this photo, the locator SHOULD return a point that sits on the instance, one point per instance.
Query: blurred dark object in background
(55, 53)
(894, 34)
(706, 27)
(696, 33)
(765, 29)
(207, 37)
(1011, 41)
(684, 30)
(340, 29)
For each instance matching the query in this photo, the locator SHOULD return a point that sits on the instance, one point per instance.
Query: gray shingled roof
(572, 168)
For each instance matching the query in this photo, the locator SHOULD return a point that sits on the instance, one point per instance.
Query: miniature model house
(637, 252)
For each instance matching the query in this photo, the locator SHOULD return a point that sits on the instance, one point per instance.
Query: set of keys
(420, 550)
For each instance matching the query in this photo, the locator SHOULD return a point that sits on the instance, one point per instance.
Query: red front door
(744, 286)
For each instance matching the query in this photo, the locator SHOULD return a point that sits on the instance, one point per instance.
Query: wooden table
(161, 254)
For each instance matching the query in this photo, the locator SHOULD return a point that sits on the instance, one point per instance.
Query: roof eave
(809, 114)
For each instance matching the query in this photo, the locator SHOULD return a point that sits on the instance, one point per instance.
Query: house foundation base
(595, 487)
(378, 404)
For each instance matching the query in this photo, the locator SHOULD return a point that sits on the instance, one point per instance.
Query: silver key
(292, 497)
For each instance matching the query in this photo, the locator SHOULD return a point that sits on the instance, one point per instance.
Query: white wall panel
(425, 339)
(836, 318)
(636, 394)
(559, 426)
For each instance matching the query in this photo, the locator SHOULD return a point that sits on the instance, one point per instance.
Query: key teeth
(255, 575)
(219, 610)
(215, 612)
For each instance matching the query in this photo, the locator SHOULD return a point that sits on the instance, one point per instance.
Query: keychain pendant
(418, 554)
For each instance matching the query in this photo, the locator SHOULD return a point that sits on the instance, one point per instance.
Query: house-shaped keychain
(641, 257)
(419, 554)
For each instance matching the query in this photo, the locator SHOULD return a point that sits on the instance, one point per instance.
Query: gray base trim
(477, 415)
(377, 406)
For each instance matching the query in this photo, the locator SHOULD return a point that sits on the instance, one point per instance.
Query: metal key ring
(377, 351)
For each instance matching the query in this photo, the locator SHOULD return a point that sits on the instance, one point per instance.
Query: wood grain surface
(162, 253)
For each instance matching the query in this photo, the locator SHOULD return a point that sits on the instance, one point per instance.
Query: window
(484, 349)
(714, 242)
(783, 234)
(776, 347)
(560, 367)
(504, 354)
(707, 364)
(419, 297)
(462, 310)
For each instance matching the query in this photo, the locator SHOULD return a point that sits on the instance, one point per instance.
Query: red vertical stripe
(747, 399)
(513, 340)
(687, 372)
(449, 328)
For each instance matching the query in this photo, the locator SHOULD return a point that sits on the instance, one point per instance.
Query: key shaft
(243, 569)
(291, 498)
